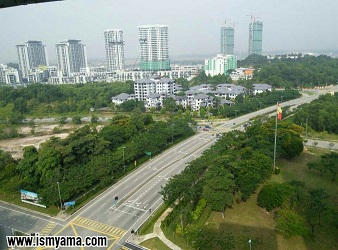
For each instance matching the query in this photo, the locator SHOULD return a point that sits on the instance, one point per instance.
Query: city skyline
(194, 25)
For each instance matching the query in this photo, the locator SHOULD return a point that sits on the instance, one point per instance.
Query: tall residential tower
(255, 37)
(71, 56)
(31, 54)
(114, 49)
(154, 47)
(227, 40)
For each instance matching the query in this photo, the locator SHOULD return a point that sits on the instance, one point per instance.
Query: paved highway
(137, 192)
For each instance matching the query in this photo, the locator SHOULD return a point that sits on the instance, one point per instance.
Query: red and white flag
(279, 112)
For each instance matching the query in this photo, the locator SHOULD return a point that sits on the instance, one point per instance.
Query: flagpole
(274, 152)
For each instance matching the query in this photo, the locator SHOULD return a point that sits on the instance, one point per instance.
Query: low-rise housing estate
(8, 75)
(121, 98)
(260, 88)
(242, 74)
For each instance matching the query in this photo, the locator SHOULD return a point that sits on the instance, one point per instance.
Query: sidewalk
(156, 233)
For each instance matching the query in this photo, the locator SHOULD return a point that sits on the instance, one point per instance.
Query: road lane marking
(98, 226)
(40, 218)
(75, 233)
(136, 208)
(48, 229)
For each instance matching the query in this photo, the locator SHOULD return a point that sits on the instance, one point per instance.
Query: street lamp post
(124, 163)
(59, 195)
(306, 127)
(250, 244)
(236, 113)
(260, 105)
(172, 133)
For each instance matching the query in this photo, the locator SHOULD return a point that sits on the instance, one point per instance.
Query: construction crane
(253, 17)
(225, 21)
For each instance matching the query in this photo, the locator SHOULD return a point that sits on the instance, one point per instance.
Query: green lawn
(155, 244)
(320, 135)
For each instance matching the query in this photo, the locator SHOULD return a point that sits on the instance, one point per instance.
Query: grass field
(155, 244)
(248, 221)
(148, 226)
(320, 135)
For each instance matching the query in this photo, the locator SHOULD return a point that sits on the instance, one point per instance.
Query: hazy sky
(194, 25)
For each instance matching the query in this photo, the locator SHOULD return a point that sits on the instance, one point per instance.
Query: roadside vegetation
(228, 173)
(89, 160)
(321, 115)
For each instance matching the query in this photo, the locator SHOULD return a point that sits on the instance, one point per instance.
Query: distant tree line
(304, 71)
(320, 115)
(42, 99)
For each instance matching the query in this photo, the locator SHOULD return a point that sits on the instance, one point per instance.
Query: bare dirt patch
(15, 146)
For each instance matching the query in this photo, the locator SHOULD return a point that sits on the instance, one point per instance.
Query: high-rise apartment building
(154, 47)
(71, 57)
(227, 40)
(255, 37)
(114, 49)
(31, 54)
(221, 64)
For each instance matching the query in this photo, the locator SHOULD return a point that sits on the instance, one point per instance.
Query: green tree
(94, 119)
(289, 223)
(219, 188)
(169, 104)
(76, 120)
(274, 194)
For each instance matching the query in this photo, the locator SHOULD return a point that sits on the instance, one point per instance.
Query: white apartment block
(98, 71)
(134, 75)
(144, 87)
(154, 47)
(8, 75)
(220, 64)
(37, 75)
(114, 49)
(71, 57)
(31, 54)
(75, 79)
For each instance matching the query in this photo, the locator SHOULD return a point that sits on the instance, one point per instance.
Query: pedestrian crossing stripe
(48, 229)
(99, 227)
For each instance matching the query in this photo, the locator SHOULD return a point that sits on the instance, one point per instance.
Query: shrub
(274, 194)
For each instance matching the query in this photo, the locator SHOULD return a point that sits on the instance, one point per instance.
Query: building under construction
(255, 37)
(227, 40)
